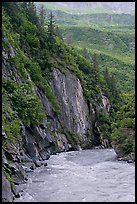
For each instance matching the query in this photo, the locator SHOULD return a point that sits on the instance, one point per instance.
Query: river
(81, 176)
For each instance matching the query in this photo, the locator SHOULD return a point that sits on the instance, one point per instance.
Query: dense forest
(34, 57)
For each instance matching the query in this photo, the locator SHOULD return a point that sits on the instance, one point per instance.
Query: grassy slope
(109, 35)
(113, 43)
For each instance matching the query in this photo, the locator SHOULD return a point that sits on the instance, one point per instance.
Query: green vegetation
(111, 37)
(25, 102)
(72, 138)
(123, 128)
(23, 63)
(115, 51)
(10, 179)
(101, 56)
(125, 117)
(10, 120)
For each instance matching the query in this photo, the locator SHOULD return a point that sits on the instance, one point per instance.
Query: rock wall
(74, 109)
(106, 103)
(38, 142)
(70, 130)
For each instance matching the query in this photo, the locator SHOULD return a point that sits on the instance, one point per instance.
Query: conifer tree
(85, 53)
(31, 13)
(13, 9)
(51, 25)
(95, 68)
(107, 77)
(51, 31)
(42, 13)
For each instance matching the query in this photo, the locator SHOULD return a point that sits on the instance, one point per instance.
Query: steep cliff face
(70, 130)
(74, 128)
(74, 109)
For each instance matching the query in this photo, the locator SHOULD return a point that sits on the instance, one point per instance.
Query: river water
(81, 176)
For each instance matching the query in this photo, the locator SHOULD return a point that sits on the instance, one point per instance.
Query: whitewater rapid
(81, 176)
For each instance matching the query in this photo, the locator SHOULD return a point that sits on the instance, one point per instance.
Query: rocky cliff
(48, 106)
(72, 129)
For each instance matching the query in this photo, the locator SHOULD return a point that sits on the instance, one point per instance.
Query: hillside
(91, 7)
(54, 99)
(111, 36)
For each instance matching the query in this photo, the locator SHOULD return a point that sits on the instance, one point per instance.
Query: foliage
(104, 122)
(10, 179)
(125, 117)
(10, 120)
(73, 139)
(23, 63)
(113, 45)
(36, 75)
(124, 125)
(42, 16)
(128, 147)
(25, 102)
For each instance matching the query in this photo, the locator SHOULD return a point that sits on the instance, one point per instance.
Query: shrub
(25, 102)
(128, 147)
(10, 121)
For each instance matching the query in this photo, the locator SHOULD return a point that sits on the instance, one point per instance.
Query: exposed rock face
(74, 110)
(62, 142)
(39, 142)
(105, 106)
(106, 103)
(7, 195)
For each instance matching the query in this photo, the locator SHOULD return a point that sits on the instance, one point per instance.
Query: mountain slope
(86, 7)
(53, 98)
(110, 35)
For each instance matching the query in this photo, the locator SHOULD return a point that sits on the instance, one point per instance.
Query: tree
(13, 9)
(42, 13)
(107, 77)
(24, 5)
(69, 38)
(52, 25)
(51, 31)
(31, 13)
(85, 53)
(113, 92)
(114, 87)
(95, 68)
